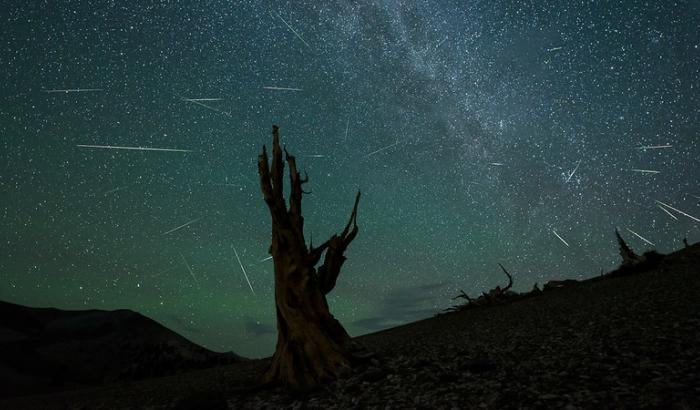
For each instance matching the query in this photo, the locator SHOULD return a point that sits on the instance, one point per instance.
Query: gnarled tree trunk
(311, 344)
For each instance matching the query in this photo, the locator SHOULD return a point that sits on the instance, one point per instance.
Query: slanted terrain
(45, 349)
(622, 341)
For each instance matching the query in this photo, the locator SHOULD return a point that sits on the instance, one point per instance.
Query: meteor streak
(189, 269)
(560, 238)
(381, 149)
(182, 226)
(640, 237)
(243, 269)
(134, 148)
(293, 31)
(574, 171)
(347, 126)
(669, 214)
(645, 147)
(227, 184)
(199, 102)
(73, 90)
(115, 189)
(202, 99)
(272, 87)
(679, 211)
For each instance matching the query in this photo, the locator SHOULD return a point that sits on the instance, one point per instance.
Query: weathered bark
(312, 345)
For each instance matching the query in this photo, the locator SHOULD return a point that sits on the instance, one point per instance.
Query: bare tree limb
(352, 220)
(336, 245)
(463, 295)
(277, 167)
(264, 173)
(316, 253)
(510, 278)
(273, 202)
(295, 180)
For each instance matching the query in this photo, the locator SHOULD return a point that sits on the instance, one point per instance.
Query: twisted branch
(335, 247)
(510, 279)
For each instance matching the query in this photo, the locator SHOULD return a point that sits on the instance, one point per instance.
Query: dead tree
(495, 295)
(312, 345)
(498, 290)
(629, 258)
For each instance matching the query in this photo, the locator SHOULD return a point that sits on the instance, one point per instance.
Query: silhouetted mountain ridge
(46, 349)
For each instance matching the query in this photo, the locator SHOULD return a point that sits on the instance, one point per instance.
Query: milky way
(478, 132)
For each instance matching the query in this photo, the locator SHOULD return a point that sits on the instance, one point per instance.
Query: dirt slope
(624, 342)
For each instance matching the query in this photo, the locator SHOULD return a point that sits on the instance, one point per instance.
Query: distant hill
(45, 349)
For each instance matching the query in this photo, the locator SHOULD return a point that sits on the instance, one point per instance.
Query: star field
(478, 133)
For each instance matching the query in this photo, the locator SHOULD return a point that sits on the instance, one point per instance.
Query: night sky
(478, 132)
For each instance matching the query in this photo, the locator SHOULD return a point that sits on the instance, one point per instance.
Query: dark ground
(623, 342)
(45, 350)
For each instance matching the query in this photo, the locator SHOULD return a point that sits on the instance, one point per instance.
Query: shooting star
(496, 164)
(645, 171)
(266, 259)
(227, 184)
(347, 126)
(293, 31)
(573, 172)
(314, 156)
(640, 237)
(243, 269)
(115, 190)
(203, 99)
(645, 147)
(560, 238)
(669, 214)
(182, 226)
(134, 148)
(551, 165)
(272, 87)
(381, 149)
(73, 90)
(679, 211)
(549, 50)
(194, 278)
(199, 102)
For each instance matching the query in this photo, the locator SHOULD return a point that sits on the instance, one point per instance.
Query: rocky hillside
(623, 341)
